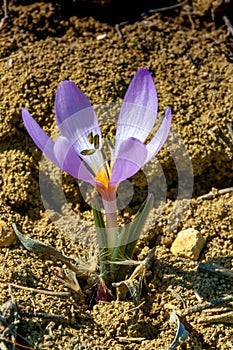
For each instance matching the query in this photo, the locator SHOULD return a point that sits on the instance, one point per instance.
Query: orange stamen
(102, 177)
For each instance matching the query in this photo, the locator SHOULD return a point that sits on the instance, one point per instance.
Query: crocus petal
(60, 152)
(69, 100)
(139, 109)
(70, 161)
(131, 156)
(41, 139)
(160, 137)
(75, 116)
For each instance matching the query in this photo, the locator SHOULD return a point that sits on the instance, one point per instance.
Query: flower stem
(110, 208)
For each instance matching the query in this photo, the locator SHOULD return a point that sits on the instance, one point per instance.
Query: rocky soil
(187, 47)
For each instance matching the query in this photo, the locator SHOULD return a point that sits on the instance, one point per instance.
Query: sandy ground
(188, 51)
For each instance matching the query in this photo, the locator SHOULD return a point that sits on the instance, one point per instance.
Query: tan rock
(188, 244)
(7, 235)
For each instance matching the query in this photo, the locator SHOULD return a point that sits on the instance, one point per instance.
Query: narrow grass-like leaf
(138, 224)
(100, 225)
(127, 240)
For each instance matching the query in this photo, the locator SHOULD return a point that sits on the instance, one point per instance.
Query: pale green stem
(110, 208)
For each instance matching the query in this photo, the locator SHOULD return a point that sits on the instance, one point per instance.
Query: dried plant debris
(10, 326)
(11, 323)
(220, 315)
(181, 333)
(211, 304)
(132, 285)
(8, 322)
(216, 270)
(75, 267)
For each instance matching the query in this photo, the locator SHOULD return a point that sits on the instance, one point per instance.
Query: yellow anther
(102, 177)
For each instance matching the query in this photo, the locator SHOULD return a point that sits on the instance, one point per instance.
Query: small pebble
(7, 235)
(188, 244)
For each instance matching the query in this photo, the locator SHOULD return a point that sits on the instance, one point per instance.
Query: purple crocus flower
(78, 150)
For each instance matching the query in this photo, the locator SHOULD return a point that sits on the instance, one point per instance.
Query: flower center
(104, 175)
(97, 164)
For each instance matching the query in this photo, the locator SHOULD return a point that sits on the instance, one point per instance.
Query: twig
(130, 340)
(226, 190)
(41, 315)
(19, 345)
(133, 308)
(177, 296)
(230, 129)
(15, 318)
(5, 13)
(222, 318)
(144, 14)
(228, 24)
(10, 56)
(208, 305)
(211, 195)
(218, 270)
(40, 291)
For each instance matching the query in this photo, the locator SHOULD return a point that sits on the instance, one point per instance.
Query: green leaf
(99, 224)
(138, 224)
(127, 240)
(102, 241)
